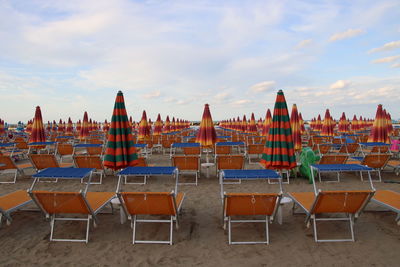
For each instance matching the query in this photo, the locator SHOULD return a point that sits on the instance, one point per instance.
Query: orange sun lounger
(388, 199)
(55, 203)
(12, 202)
(151, 203)
(348, 203)
(250, 204)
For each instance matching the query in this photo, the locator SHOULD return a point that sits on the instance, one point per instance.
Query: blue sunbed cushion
(88, 145)
(250, 174)
(230, 143)
(341, 167)
(186, 145)
(73, 173)
(158, 170)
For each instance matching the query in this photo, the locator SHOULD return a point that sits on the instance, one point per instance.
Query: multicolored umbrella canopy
(54, 129)
(302, 128)
(144, 128)
(84, 132)
(327, 125)
(70, 127)
(279, 149)
(354, 124)
(252, 127)
(379, 129)
(120, 152)
(158, 126)
(318, 123)
(388, 122)
(295, 125)
(343, 124)
(79, 126)
(244, 124)
(37, 133)
(206, 135)
(267, 123)
(167, 125)
(106, 126)
(60, 126)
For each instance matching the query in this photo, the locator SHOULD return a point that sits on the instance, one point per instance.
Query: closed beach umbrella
(244, 124)
(158, 126)
(252, 128)
(354, 124)
(343, 124)
(295, 125)
(28, 128)
(84, 132)
(70, 127)
(106, 127)
(120, 152)
(302, 128)
(379, 131)
(278, 152)
(388, 122)
(144, 128)
(37, 133)
(167, 126)
(327, 125)
(78, 126)
(206, 135)
(267, 123)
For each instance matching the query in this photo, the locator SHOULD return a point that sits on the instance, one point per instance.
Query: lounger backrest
(7, 161)
(56, 202)
(65, 149)
(324, 148)
(250, 204)
(380, 149)
(333, 159)
(186, 163)
(141, 162)
(376, 161)
(150, 203)
(255, 149)
(96, 141)
(43, 161)
(231, 162)
(191, 150)
(349, 148)
(21, 145)
(88, 162)
(223, 150)
(167, 143)
(340, 201)
(97, 150)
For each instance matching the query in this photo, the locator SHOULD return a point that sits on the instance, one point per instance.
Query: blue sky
(172, 57)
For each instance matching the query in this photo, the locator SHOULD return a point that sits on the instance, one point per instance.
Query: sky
(172, 57)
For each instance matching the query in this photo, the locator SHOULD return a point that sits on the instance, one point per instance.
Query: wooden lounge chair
(254, 149)
(151, 203)
(250, 204)
(388, 199)
(94, 162)
(55, 203)
(187, 164)
(12, 202)
(348, 203)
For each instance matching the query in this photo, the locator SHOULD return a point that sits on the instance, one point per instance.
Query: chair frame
(14, 169)
(249, 151)
(191, 171)
(101, 171)
(7, 213)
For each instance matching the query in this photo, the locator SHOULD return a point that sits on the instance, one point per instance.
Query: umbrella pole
(280, 181)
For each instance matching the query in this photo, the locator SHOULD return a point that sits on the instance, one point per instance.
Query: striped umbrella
(48, 127)
(206, 135)
(78, 126)
(327, 125)
(106, 127)
(167, 125)
(318, 123)
(70, 127)
(120, 152)
(278, 152)
(354, 124)
(252, 128)
(302, 128)
(267, 123)
(60, 127)
(84, 127)
(158, 126)
(295, 125)
(144, 128)
(343, 124)
(388, 122)
(28, 128)
(244, 124)
(379, 131)
(37, 133)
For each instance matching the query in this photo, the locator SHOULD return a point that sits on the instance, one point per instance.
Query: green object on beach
(307, 157)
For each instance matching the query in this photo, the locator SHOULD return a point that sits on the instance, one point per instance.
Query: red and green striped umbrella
(327, 125)
(379, 131)
(120, 152)
(144, 128)
(158, 126)
(37, 133)
(267, 123)
(70, 127)
(252, 128)
(84, 132)
(295, 125)
(206, 135)
(278, 152)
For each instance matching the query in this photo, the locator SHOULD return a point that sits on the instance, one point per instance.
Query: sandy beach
(200, 239)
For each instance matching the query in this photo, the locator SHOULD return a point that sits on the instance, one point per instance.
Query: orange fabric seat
(388, 199)
(12, 202)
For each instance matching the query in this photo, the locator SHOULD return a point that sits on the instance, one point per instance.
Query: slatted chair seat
(388, 199)
(12, 202)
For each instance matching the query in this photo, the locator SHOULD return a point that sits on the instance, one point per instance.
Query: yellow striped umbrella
(267, 123)
(37, 133)
(144, 129)
(206, 135)
(379, 131)
(295, 125)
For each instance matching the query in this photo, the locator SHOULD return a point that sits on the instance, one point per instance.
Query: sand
(200, 239)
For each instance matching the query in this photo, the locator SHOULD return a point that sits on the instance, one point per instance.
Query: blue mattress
(41, 143)
(186, 145)
(250, 174)
(71, 173)
(148, 171)
(341, 167)
(374, 144)
(230, 144)
(88, 145)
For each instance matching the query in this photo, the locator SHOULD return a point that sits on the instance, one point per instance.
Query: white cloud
(396, 65)
(263, 86)
(222, 96)
(386, 47)
(241, 102)
(152, 95)
(386, 59)
(350, 33)
(340, 84)
(304, 43)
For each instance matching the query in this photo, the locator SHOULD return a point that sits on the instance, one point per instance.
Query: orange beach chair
(12, 202)
(388, 199)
